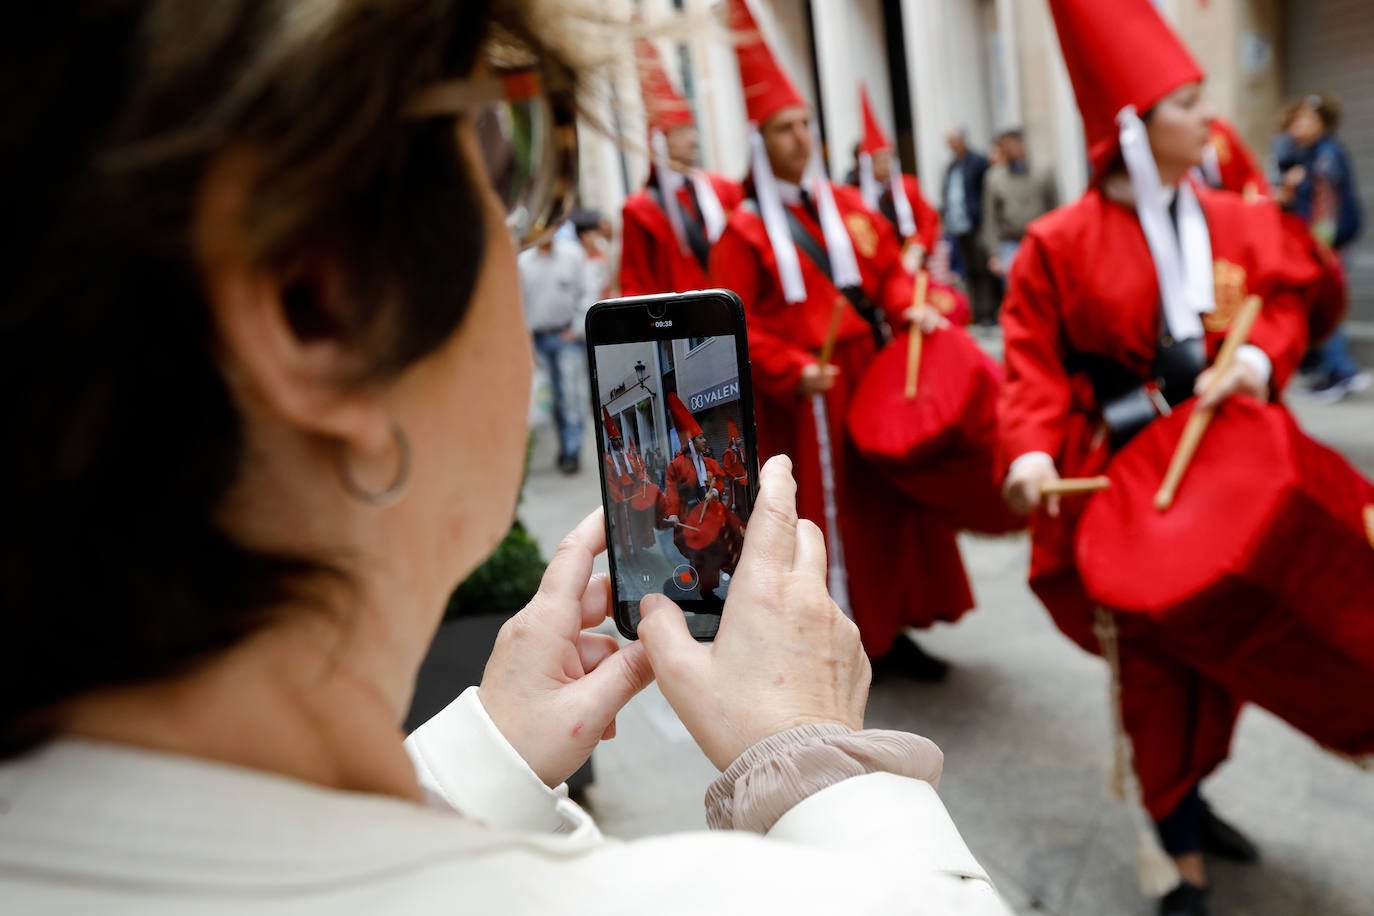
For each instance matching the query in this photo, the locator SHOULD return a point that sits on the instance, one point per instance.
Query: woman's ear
(278, 336)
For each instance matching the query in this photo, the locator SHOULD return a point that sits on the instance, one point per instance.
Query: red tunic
(652, 260)
(904, 567)
(1084, 279)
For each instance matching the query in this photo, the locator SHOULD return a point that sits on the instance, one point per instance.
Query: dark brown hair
(123, 438)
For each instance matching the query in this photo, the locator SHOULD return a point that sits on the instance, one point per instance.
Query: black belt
(1128, 403)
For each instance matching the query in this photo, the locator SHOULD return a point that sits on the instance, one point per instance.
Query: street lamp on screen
(642, 372)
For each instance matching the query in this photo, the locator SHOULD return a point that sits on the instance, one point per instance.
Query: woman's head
(1179, 127)
(1312, 118)
(253, 278)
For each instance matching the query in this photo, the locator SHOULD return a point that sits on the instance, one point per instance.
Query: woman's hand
(925, 318)
(1025, 482)
(552, 689)
(817, 379)
(784, 655)
(1240, 378)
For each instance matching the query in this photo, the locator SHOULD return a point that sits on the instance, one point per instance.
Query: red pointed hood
(664, 107)
(874, 137)
(731, 430)
(687, 426)
(1118, 53)
(767, 88)
(612, 428)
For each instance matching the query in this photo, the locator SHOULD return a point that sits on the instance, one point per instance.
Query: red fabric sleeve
(1291, 279)
(777, 363)
(637, 257)
(713, 467)
(1281, 332)
(672, 501)
(1037, 396)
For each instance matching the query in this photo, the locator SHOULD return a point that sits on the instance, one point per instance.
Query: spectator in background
(595, 236)
(656, 466)
(553, 285)
(1013, 196)
(1318, 183)
(962, 209)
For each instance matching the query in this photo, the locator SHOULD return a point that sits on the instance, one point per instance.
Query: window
(695, 342)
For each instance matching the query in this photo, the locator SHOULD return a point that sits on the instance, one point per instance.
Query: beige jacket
(88, 827)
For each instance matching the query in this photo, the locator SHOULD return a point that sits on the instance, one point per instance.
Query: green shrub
(505, 582)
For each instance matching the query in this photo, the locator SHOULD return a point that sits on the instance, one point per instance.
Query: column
(839, 82)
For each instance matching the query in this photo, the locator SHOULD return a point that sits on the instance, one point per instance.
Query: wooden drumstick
(828, 348)
(1197, 423)
(915, 337)
(1072, 486)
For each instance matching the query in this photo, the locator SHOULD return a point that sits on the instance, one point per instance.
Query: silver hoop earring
(393, 491)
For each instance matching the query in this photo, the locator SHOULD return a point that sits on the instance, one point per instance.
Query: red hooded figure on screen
(705, 531)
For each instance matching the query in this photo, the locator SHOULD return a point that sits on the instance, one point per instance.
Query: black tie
(692, 224)
(809, 204)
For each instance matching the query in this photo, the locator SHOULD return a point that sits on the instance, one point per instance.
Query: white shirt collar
(790, 193)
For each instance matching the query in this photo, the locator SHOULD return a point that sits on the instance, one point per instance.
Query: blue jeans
(1333, 360)
(562, 360)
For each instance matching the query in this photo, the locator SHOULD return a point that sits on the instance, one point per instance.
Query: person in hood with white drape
(812, 263)
(671, 223)
(1122, 285)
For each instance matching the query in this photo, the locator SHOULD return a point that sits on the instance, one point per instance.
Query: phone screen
(675, 429)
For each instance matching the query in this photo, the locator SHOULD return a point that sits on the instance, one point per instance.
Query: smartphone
(673, 404)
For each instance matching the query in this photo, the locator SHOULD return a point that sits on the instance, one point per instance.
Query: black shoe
(906, 659)
(1222, 840)
(1184, 900)
(569, 464)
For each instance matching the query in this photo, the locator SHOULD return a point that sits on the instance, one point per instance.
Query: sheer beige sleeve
(778, 772)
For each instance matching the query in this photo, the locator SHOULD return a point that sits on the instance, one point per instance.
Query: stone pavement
(1023, 721)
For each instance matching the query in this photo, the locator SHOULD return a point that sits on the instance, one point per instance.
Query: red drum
(939, 448)
(711, 523)
(1262, 572)
(644, 496)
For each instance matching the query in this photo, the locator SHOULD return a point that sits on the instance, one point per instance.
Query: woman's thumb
(673, 653)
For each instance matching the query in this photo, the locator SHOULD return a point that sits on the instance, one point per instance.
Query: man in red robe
(736, 471)
(620, 483)
(705, 531)
(890, 191)
(627, 479)
(670, 225)
(818, 271)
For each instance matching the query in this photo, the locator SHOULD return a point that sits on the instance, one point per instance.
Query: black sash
(1129, 402)
(887, 206)
(813, 249)
(696, 235)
